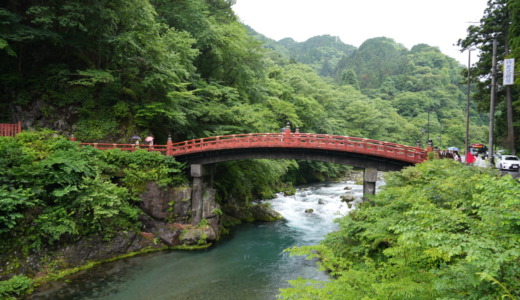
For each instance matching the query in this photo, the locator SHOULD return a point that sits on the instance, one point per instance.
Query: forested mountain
(422, 85)
(320, 52)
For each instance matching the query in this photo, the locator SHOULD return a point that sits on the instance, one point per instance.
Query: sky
(439, 23)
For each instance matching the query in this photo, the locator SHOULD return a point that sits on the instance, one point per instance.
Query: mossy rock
(263, 213)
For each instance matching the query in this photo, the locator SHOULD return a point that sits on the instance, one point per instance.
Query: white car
(507, 162)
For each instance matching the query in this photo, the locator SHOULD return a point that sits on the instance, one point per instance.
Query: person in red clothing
(470, 158)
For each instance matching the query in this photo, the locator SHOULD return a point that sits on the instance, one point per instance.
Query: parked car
(507, 162)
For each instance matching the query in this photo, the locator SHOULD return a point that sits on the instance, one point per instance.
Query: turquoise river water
(250, 263)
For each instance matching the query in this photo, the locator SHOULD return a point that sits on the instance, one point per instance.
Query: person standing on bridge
(149, 140)
(287, 133)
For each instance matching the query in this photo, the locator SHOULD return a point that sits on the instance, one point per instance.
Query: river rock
(192, 236)
(348, 198)
(169, 236)
(309, 210)
(241, 213)
(322, 202)
(263, 213)
(210, 233)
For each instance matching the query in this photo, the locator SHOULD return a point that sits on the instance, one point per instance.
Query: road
(484, 164)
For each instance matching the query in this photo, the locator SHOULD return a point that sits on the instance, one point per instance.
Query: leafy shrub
(16, 286)
(12, 203)
(140, 167)
(429, 234)
(53, 191)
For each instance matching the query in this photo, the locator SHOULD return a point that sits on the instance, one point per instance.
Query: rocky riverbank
(165, 224)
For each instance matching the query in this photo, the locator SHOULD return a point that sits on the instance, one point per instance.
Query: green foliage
(250, 180)
(429, 234)
(66, 192)
(203, 222)
(12, 203)
(322, 53)
(16, 286)
(140, 167)
(93, 77)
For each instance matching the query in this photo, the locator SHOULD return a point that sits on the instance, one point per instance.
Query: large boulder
(262, 212)
(165, 203)
(193, 236)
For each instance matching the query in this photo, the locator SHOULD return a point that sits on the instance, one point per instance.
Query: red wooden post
(287, 133)
(19, 127)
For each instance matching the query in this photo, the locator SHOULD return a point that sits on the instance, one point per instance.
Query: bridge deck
(281, 140)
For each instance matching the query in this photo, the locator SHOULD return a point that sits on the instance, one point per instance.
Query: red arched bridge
(202, 154)
(358, 152)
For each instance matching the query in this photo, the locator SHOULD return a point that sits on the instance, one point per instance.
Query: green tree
(350, 77)
(496, 24)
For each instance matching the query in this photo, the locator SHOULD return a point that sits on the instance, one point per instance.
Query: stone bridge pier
(203, 202)
(369, 181)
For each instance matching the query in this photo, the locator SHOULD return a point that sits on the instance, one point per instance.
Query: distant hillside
(322, 53)
(422, 84)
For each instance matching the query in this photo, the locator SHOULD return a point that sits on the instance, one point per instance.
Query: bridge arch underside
(358, 160)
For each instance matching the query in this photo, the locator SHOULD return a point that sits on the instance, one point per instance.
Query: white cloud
(437, 23)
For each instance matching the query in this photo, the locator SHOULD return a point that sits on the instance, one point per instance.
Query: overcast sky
(437, 23)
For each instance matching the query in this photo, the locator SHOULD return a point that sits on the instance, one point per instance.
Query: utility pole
(428, 136)
(509, 108)
(492, 104)
(467, 105)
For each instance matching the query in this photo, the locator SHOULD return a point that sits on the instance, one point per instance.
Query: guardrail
(10, 129)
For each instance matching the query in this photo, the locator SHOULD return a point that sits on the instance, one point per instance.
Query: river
(248, 264)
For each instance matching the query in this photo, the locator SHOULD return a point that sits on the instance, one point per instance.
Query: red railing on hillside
(279, 140)
(10, 129)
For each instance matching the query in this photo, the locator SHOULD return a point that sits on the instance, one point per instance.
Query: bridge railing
(10, 129)
(301, 140)
(280, 140)
(128, 147)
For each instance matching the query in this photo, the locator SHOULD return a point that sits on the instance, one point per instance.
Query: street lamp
(467, 102)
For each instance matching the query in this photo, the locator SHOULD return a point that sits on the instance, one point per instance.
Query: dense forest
(110, 70)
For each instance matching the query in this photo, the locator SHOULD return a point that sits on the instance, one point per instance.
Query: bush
(432, 232)
(16, 286)
(52, 191)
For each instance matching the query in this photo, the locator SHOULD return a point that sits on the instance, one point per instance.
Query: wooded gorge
(111, 69)
(114, 69)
